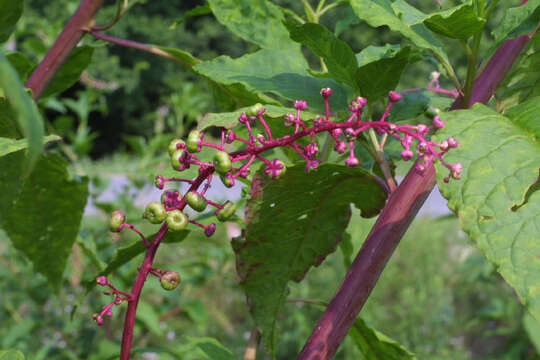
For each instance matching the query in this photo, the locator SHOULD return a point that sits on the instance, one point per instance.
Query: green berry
(254, 110)
(222, 162)
(228, 210)
(155, 212)
(158, 181)
(177, 220)
(173, 145)
(431, 112)
(175, 159)
(117, 219)
(228, 182)
(170, 280)
(192, 144)
(196, 201)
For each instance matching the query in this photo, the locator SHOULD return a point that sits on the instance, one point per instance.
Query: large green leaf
(212, 348)
(337, 55)
(279, 71)
(11, 355)
(377, 78)
(293, 224)
(460, 22)
(21, 64)
(496, 200)
(517, 21)
(374, 345)
(8, 145)
(71, 70)
(10, 14)
(42, 215)
(525, 116)
(27, 114)
(401, 17)
(257, 21)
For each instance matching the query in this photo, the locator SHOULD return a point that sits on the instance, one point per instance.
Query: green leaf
(196, 11)
(230, 97)
(125, 254)
(181, 56)
(212, 348)
(517, 21)
(21, 64)
(497, 200)
(293, 224)
(8, 145)
(71, 71)
(229, 120)
(460, 22)
(532, 326)
(282, 72)
(525, 116)
(257, 21)
(11, 355)
(42, 215)
(27, 114)
(348, 19)
(374, 345)
(10, 14)
(8, 126)
(401, 17)
(375, 53)
(337, 55)
(377, 78)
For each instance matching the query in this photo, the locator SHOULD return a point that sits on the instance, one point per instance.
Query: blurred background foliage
(438, 296)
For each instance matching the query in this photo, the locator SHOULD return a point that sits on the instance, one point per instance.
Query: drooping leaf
(377, 78)
(212, 348)
(375, 53)
(196, 11)
(460, 22)
(42, 215)
(337, 55)
(293, 224)
(182, 56)
(497, 200)
(401, 17)
(21, 64)
(11, 355)
(10, 14)
(71, 70)
(229, 120)
(517, 21)
(8, 145)
(374, 345)
(27, 114)
(257, 21)
(282, 72)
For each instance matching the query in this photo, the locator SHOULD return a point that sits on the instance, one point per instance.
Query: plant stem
(254, 340)
(392, 223)
(472, 58)
(64, 44)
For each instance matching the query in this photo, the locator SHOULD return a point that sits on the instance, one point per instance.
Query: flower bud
(326, 92)
(170, 280)
(210, 230)
(438, 123)
(394, 96)
(407, 155)
(352, 161)
(117, 219)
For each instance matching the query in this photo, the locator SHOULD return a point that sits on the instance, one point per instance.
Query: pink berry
(407, 155)
(326, 92)
(452, 143)
(340, 147)
(101, 280)
(394, 96)
(352, 161)
(300, 104)
(438, 123)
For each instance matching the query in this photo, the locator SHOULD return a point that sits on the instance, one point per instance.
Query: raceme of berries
(229, 166)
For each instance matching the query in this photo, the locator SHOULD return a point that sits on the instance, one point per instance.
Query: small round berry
(456, 170)
(340, 147)
(176, 144)
(176, 157)
(228, 210)
(101, 280)
(243, 118)
(158, 181)
(227, 181)
(300, 104)
(394, 96)
(326, 92)
(289, 119)
(210, 230)
(231, 136)
(452, 143)
(420, 168)
(177, 220)
(407, 155)
(193, 139)
(349, 134)
(196, 201)
(255, 109)
(222, 162)
(438, 123)
(155, 212)
(336, 133)
(431, 112)
(109, 313)
(444, 145)
(170, 280)
(117, 219)
(352, 161)
(421, 129)
(422, 146)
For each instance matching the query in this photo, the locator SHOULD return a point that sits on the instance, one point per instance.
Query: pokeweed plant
(300, 198)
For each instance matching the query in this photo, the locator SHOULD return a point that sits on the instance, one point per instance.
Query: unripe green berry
(177, 220)
(222, 162)
(196, 201)
(431, 112)
(170, 280)
(155, 212)
(228, 210)
(117, 219)
(173, 145)
(175, 159)
(193, 139)
(228, 182)
(254, 110)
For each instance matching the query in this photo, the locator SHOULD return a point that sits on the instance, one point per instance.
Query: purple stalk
(391, 225)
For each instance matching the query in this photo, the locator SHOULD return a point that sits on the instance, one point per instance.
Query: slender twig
(391, 225)
(64, 44)
(121, 8)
